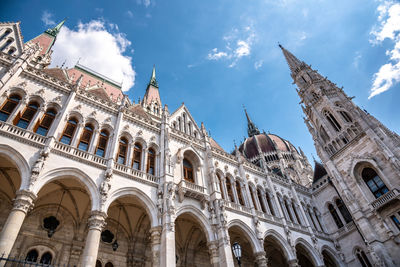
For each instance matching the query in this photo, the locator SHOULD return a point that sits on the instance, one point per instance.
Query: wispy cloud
(356, 60)
(146, 3)
(258, 64)
(88, 42)
(129, 14)
(47, 18)
(388, 28)
(238, 44)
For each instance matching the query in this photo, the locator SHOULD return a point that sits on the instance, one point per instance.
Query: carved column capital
(97, 220)
(24, 201)
(155, 233)
(261, 259)
(293, 263)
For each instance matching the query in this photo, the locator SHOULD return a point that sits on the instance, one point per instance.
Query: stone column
(22, 203)
(261, 260)
(155, 245)
(96, 223)
(225, 250)
(94, 141)
(289, 203)
(293, 263)
(38, 115)
(77, 134)
(168, 258)
(213, 249)
(315, 221)
(282, 205)
(264, 200)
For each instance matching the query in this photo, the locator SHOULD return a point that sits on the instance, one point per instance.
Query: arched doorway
(190, 242)
(62, 209)
(126, 236)
(274, 252)
(238, 235)
(303, 256)
(329, 260)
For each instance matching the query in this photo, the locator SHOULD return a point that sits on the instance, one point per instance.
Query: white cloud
(47, 18)
(129, 13)
(258, 64)
(97, 48)
(238, 44)
(356, 60)
(388, 28)
(146, 3)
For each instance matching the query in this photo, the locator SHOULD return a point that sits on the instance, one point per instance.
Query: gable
(182, 120)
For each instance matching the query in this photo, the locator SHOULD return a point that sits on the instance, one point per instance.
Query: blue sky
(219, 55)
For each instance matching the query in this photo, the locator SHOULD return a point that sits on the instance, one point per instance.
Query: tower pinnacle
(251, 127)
(153, 80)
(293, 62)
(54, 31)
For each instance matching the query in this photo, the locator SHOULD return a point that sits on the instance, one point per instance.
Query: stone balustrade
(135, 174)
(385, 199)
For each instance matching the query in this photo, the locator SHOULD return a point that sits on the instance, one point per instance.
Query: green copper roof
(153, 80)
(54, 31)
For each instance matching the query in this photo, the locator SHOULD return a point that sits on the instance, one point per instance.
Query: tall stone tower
(361, 157)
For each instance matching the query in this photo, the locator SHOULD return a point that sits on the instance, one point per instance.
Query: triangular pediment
(183, 121)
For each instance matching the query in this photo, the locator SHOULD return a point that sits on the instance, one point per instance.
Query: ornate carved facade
(89, 178)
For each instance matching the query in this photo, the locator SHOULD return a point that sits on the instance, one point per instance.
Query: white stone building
(89, 178)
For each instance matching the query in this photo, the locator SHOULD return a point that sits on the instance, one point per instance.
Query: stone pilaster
(96, 224)
(22, 203)
(214, 257)
(261, 260)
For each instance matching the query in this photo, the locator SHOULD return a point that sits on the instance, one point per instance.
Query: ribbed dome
(266, 142)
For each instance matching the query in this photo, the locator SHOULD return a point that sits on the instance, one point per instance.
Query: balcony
(188, 189)
(236, 207)
(22, 135)
(386, 199)
(134, 174)
(80, 155)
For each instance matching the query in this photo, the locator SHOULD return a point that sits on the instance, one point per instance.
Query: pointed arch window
(343, 210)
(29, 112)
(311, 218)
(288, 210)
(374, 182)
(221, 189)
(253, 198)
(7, 32)
(151, 161)
(98, 263)
(69, 131)
(86, 136)
(8, 107)
(362, 258)
(324, 135)
(122, 150)
(102, 144)
(43, 125)
(335, 216)
(32, 256)
(188, 171)
(332, 121)
(269, 202)
(137, 156)
(46, 258)
(259, 195)
(229, 189)
(239, 193)
(345, 116)
(295, 212)
(9, 41)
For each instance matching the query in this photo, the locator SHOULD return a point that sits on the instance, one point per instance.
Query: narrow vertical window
(374, 182)
(43, 125)
(259, 195)
(151, 161)
(188, 171)
(32, 256)
(137, 156)
(332, 121)
(295, 212)
(229, 189)
(343, 210)
(46, 258)
(335, 216)
(122, 150)
(86, 137)
(324, 135)
(102, 144)
(221, 189)
(8, 107)
(239, 193)
(253, 199)
(288, 210)
(345, 116)
(9, 41)
(395, 221)
(69, 131)
(7, 32)
(29, 112)
(269, 201)
(362, 258)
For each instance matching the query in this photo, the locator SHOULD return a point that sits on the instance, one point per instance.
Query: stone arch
(18, 91)
(286, 249)
(36, 98)
(127, 135)
(75, 174)
(200, 217)
(312, 253)
(154, 146)
(145, 200)
(21, 163)
(141, 141)
(331, 253)
(252, 238)
(75, 114)
(92, 121)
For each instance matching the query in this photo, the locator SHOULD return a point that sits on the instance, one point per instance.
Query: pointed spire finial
(293, 62)
(251, 127)
(54, 31)
(153, 80)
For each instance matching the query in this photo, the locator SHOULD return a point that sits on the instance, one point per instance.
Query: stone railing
(135, 174)
(195, 191)
(237, 207)
(24, 135)
(72, 152)
(192, 186)
(385, 199)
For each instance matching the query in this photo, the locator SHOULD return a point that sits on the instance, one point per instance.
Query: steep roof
(319, 172)
(214, 144)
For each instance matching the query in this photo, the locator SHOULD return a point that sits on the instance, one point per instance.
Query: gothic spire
(293, 62)
(54, 31)
(153, 80)
(251, 127)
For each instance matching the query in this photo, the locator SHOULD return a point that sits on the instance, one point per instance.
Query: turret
(151, 101)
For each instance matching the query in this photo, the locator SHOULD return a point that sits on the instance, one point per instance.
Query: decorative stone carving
(24, 201)
(105, 187)
(37, 167)
(170, 198)
(97, 220)
(258, 230)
